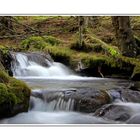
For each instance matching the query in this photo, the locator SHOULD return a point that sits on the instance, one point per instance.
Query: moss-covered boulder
(14, 96)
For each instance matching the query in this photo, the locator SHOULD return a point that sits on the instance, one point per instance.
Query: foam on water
(134, 107)
(37, 117)
(68, 77)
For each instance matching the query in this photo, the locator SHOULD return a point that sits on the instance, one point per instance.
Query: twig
(99, 70)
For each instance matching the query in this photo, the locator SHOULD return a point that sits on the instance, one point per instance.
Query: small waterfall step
(82, 100)
(37, 64)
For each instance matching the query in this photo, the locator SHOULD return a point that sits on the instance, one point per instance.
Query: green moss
(92, 44)
(92, 62)
(19, 88)
(84, 48)
(60, 54)
(4, 78)
(52, 40)
(4, 50)
(14, 96)
(6, 97)
(12, 89)
(39, 43)
(105, 48)
(3, 89)
(33, 42)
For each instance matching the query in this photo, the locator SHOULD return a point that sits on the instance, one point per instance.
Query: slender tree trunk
(83, 25)
(124, 35)
(86, 22)
(81, 22)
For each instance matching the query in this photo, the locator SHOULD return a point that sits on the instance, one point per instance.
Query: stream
(59, 96)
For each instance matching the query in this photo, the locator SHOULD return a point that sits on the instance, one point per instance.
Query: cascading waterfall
(38, 65)
(26, 65)
(58, 104)
(52, 104)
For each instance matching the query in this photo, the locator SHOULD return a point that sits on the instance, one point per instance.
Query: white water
(56, 111)
(58, 104)
(38, 117)
(134, 108)
(23, 67)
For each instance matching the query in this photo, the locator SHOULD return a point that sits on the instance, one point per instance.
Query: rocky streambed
(83, 101)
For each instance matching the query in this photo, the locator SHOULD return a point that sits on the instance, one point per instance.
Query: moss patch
(14, 96)
(39, 43)
(4, 78)
(60, 54)
(35, 42)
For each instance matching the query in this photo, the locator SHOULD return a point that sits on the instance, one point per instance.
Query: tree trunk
(86, 22)
(124, 35)
(83, 25)
(81, 22)
(6, 24)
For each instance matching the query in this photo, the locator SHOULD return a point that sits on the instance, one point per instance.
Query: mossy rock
(14, 96)
(6, 96)
(91, 100)
(60, 54)
(20, 89)
(85, 47)
(4, 78)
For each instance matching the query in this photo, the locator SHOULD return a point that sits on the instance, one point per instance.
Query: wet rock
(135, 86)
(130, 95)
(114, 94)
(134, 119)
(118, 111)
(37, 57)
(84, 99)
(114, 112)
(14, 96)
(88, 100)
(40, 58)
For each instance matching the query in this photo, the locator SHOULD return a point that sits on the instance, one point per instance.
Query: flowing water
(48, 81)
